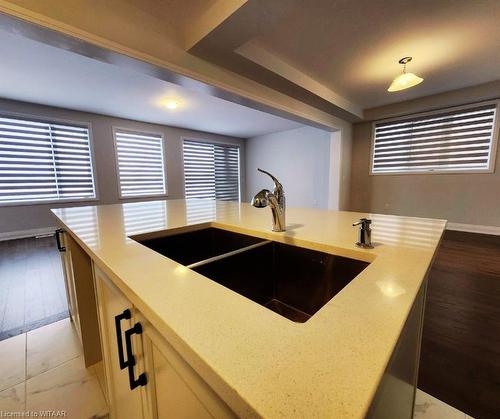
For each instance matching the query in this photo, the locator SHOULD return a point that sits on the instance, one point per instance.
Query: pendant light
(405, 80)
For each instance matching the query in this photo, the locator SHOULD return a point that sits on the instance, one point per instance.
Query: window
(139, 157)
(457, 140)
(44, 161)
(211, 170)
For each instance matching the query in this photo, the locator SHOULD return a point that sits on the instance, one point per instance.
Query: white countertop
(260, 362)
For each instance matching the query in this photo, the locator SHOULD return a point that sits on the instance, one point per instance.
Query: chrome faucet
(275, 200)
(364, 234)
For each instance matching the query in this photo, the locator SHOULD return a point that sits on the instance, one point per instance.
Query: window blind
(140, 162)
(211, 171)
(457, 140)
(44, 161)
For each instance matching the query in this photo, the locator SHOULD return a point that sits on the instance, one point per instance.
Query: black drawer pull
(142, 379)
(123, 316)
(60, 247)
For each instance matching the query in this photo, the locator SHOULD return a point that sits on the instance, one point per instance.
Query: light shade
(404, 81)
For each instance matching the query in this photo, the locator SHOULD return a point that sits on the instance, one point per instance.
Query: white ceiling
(346, 52)
(353, 46)
(38, 73)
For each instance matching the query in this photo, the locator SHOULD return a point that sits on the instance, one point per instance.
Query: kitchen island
(356, 356)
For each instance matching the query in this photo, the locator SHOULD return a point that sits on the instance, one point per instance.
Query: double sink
(292, 281)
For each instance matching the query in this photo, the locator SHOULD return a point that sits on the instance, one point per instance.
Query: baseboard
(473, 228)
(12, 235)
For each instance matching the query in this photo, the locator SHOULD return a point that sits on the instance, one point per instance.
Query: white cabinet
(175, 398)
(174, 389)
(115, 317)
(158, 383)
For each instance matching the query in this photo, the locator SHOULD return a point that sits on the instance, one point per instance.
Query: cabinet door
(124, 402)
(175, 399)
(174, 390)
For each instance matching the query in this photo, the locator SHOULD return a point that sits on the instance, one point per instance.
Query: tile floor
(44, 370)
(428, 407)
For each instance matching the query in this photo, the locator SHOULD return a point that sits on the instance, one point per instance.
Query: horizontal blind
(211, 171)
(141, 170)
(227, 173)
(43, 161)
(458, 140)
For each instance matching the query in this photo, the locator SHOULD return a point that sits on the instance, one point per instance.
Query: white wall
(299, 158)
(37, 216)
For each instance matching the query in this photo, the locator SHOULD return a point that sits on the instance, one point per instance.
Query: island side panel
(86, 302)
(396, 392)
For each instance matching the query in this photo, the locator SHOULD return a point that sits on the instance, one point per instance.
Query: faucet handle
(364, 222)
(261, 199)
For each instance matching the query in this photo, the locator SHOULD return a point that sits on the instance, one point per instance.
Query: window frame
(213, 142)
(52, 120)
(402, 118)
(115, 129)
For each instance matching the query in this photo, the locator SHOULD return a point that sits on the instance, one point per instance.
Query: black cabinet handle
(142, 379)
(58, 240)
(126, 315)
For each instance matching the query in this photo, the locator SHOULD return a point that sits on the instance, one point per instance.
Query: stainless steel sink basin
(194, 246)
(290, 280)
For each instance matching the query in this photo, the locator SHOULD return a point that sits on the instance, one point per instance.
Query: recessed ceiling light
(171, 104)
(405, 80)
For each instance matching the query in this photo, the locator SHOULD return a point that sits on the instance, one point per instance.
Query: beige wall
(345, 168)
(459, 198)
(27, 217)
(340, 169)
(472, 198)
(464, 96)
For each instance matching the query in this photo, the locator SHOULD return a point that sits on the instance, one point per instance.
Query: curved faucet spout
(275, 200)
(277, 184)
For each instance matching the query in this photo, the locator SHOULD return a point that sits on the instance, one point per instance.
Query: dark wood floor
(460, 358)
(32, 291)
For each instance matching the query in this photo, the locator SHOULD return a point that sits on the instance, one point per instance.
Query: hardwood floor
(32, 291)
(460, 357)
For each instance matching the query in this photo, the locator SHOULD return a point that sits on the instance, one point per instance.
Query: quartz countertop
(259, 362)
